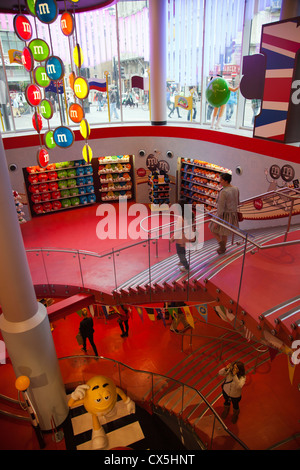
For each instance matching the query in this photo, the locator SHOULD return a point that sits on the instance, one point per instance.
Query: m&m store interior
(150, 226)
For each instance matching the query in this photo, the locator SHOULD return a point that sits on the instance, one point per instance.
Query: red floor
(270, 405)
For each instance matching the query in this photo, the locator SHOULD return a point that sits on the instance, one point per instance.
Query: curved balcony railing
(142, 387)
(108, 272)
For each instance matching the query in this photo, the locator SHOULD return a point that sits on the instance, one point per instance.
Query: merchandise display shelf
(59, 186)
(200, 182)
(115, 177)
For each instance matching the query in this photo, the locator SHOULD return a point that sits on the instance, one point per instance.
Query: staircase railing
(131, 381)
(106, 272)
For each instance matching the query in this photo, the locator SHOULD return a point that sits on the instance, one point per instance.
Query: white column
(158, 60)
(24, 322)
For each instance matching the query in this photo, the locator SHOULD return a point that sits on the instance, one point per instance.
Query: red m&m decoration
(27, 59)
(43, 157)
(22, 27)
(37, 122)
(33, 95)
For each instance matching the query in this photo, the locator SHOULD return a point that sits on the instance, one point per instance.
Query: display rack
(159, 191)
(115, 177)
(59, 186)
(200, 182)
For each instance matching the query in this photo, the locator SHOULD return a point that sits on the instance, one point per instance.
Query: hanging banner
(105, 309)
(173, 311)
(202, 310)
(223, 313)
(150, 313)
(188, 316)
(291, 367)
(139, 311)
(273, 353)
(160, 314)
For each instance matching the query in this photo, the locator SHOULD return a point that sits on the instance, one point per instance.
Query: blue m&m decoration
(63, 137)
(46, 10)
(55, 68)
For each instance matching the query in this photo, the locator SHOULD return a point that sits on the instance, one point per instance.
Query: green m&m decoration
(31, 6)
(40, 49)
(40, 76)
(48, 140)
(217, 92)
(46, 109)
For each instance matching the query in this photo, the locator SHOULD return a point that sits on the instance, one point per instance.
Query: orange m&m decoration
(67, 23)
(76, 113)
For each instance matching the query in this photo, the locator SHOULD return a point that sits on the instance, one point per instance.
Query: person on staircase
(123, 320)
(227, 211)
(235, 378)
(184, 233)
(86, 329)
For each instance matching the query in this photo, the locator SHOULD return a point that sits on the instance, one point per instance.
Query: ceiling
(13, 6)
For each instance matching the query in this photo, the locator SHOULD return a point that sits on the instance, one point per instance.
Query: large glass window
(206, 39)
(262, 13)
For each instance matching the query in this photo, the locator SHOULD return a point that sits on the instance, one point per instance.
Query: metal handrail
(191, 335)
(161, 376)
(206, 218)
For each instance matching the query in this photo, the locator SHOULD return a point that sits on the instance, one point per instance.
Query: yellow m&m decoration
(78, 55)
(87, 153)
(81, 88)
(85, 129)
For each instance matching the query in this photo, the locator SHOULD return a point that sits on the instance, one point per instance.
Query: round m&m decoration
(27, 59)
(33, 94)
(76, 113)
(46, 109)
(22, 27)
(67, 23)
(43, 157)
(55, 68)
(46, 10)
(81, 88)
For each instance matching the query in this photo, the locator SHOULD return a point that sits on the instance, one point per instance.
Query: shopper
(123, 320)
(235, 378)
(183, 233)
(86, 329)
(227, 208)
(176, 93)
(194, 94)
(113, 104)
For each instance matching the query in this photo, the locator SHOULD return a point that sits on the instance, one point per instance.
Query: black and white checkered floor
(138, 431)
